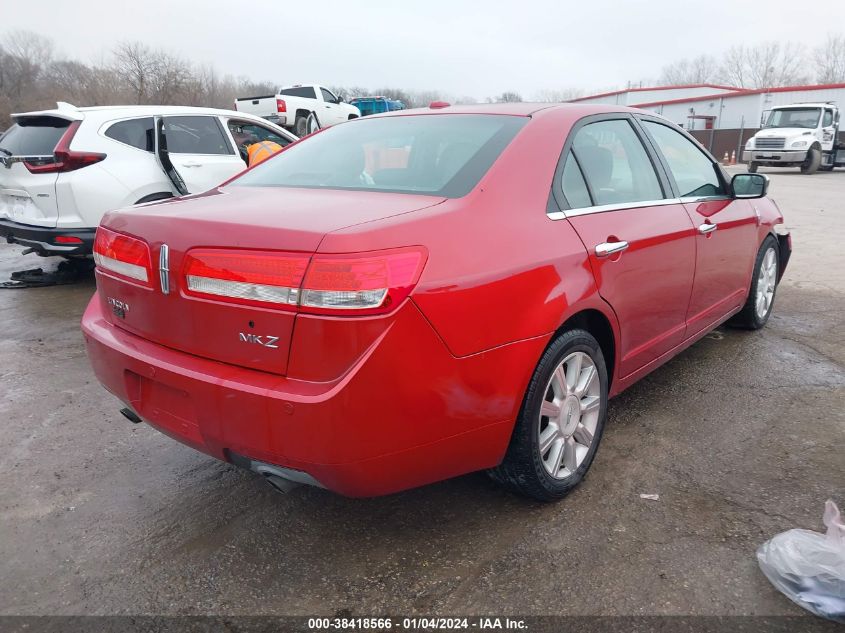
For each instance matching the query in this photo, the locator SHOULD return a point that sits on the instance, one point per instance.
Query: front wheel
(752, 167)
(761, 297)
(561, 420)
(812, 162)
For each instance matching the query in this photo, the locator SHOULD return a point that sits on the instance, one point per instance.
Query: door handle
(191, 164)
(609, 248)
(707, 227)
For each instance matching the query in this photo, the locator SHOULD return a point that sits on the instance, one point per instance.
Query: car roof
(513, 109)
(69, 111)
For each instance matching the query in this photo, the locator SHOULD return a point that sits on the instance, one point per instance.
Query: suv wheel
(561, 421)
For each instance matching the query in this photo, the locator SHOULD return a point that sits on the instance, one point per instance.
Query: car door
(726, 228)
(640, 240)
(331, 108)
(200, 151)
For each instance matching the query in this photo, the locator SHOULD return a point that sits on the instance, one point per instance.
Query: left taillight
(123, 255)
(332, 284)
(64, 158)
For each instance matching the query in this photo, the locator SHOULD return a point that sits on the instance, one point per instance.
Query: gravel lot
(741, 436)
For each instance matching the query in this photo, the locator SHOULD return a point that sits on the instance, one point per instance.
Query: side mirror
(312, 124)
(339, 99)
(746, 186)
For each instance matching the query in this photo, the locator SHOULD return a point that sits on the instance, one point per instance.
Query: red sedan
(406, 298)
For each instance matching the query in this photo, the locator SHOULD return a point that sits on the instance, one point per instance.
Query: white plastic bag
(808, 567)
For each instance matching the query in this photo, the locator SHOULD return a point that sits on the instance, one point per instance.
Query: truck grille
(769, 143)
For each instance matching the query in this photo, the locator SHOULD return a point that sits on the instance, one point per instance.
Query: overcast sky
(476, 49)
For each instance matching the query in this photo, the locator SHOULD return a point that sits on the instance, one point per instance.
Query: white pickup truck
(291, 105)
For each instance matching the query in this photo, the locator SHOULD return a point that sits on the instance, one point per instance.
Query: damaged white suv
(62, 169)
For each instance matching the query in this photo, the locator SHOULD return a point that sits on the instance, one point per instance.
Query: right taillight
(365, 283)
(281, 106)
(349, 284)
(123, 255)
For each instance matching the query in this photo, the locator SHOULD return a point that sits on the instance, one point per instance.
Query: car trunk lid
(240, 220)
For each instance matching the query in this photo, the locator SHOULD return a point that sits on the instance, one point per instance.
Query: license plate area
(170, 409)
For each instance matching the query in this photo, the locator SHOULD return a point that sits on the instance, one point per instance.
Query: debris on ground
(650, 497)
(809, 567)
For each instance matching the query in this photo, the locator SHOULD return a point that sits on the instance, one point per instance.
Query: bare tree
(136, 64)
(509, 97)
(698, 70)
(830, 60)
(765, 65)
(557, 96)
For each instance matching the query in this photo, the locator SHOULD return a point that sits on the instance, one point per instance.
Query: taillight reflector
(124, 255)
(65, 159)
(67, 239)
(281, 106)
(366, 283)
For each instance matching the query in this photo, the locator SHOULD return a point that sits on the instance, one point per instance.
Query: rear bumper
(43, 239)
(406, 413)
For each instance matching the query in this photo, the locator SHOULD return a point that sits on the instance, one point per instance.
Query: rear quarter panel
(499, 270)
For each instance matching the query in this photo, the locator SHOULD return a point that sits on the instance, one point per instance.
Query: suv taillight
(281, 106)
(123, 255)
(65, 159)
(353, 284)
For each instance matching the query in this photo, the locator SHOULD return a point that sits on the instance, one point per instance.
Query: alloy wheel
(569, 415)
(766, 282)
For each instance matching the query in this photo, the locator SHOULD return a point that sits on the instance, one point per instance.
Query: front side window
(195, 135)
(794, 117)
(138, 133)
(328, 96)
(300, 91)
(694, 173)
(615, 164)
(246, 134)
(828, 118)
(444, 155)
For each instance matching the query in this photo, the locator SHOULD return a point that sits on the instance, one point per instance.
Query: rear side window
(195, 135)
(574, 188)
(33, 136)
(300, 91)
(138, 133)
(694, 173)
(444, 155)
(615, 164)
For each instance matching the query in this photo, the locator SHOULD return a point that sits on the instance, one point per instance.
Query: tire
(300, 127)
(812, 162)
(752, 168)
(752, 316)
(526, 468)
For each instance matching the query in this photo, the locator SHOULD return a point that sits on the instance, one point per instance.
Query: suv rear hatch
(249, 225)
(27, 175)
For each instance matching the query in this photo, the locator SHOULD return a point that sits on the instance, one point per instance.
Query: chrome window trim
(603, 208)
(694, 199)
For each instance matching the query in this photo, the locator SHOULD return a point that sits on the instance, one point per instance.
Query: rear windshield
(443, 155)
(33, 136)
(299, 91)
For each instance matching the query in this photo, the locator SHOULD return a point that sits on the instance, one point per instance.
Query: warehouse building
(722, 118)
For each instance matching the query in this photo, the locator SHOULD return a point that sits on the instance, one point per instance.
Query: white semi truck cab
(804, 135)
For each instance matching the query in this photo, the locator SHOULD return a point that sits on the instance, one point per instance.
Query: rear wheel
(561, 420)
(812, 162)
(761, 297)
(300, 127)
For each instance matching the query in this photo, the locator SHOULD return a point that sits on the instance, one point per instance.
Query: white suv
(62, 169)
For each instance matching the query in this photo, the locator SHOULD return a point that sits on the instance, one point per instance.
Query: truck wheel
(812, 162)
(300, 127)
(752, 168)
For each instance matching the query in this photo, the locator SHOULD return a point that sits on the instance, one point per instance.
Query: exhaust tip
(130, 415)
(281, 485)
